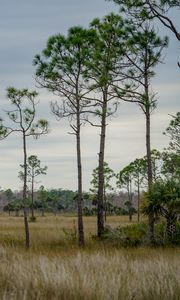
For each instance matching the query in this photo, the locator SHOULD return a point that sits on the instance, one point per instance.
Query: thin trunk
(32, 199)
(149, 172)
(148, 149)
(129, 190)
(148, 146)
(79, 166)
(130, 215)
(105, 205)
(100, 204)
(138, 191)
(26, 225)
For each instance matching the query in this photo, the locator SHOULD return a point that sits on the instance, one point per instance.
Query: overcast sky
(24, 29)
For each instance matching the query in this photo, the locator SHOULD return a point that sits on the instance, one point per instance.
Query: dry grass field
(54, 267)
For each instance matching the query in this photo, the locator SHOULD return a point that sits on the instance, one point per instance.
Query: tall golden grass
(55, 268)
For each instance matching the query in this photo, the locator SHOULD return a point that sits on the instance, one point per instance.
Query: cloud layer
(24, 29)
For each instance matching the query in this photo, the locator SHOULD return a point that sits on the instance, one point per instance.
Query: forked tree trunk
(100, 195)
(79, 166)
(26, 225)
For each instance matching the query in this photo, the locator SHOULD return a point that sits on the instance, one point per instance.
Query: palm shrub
(163, 199)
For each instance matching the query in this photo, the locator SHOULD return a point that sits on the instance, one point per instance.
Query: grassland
(54, 267)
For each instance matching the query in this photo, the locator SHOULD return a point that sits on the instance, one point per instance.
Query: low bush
(131, 235)
(137, 235)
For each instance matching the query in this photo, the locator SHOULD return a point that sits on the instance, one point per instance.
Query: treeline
(62, 201)
(53, 200)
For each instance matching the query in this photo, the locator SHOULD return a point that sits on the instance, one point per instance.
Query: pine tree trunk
(138, 210)
(100, 195)
(131, 201)
(26, 225)
(149, 172)
(32, 199)
(148, 149)
(105, 205)
(79, 166)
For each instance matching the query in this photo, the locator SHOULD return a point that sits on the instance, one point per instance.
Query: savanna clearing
(55, 268)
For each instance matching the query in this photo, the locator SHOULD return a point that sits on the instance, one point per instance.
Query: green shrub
(161, 235)
(131, 235)
(137, 235)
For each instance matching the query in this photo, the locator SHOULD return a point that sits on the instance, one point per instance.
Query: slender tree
(22, 117)
(42, 196)
(61, 69)
(139, 170)
(34, 169)
(106, 61)
(147, 48)
(125, 180)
